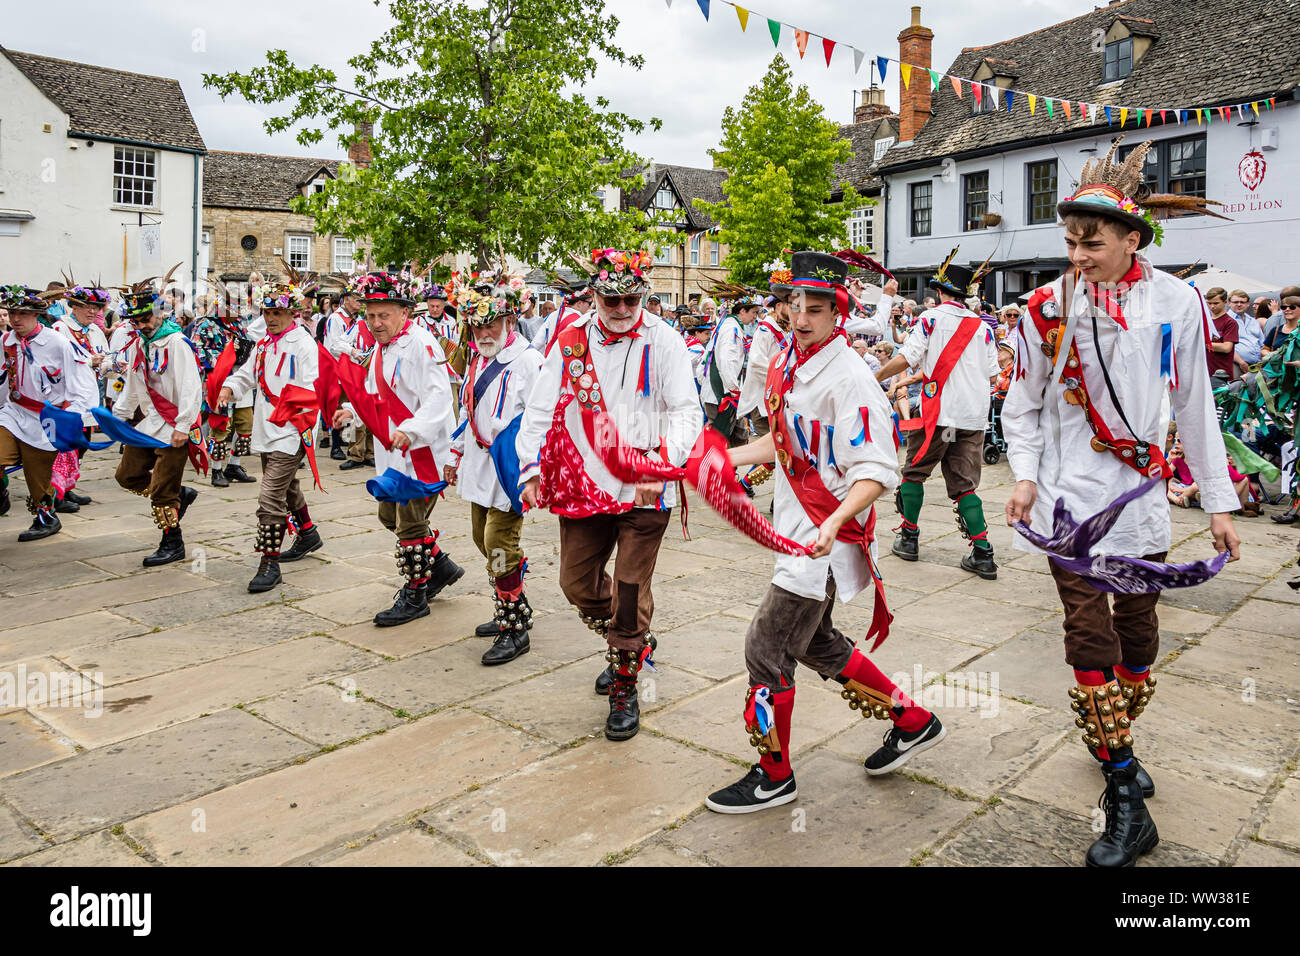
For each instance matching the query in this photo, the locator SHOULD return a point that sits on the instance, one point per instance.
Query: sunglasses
(1291, 306)
(611, 301)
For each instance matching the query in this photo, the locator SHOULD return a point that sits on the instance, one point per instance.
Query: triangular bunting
(743, 15)
(881, 63)
(828, 46)
(774, 28)
(1033, 103)
(1182, 117)
(934, 79)
(704, 7)
(1148, 116)
(1271, 100)
(858, 56)
(1162, 117)
(1083, 109)
(1109, 120)
(1007, 94)
(1255, 108)
(977, 91)
(801, 41)
(905, 69)
(1048, 101)
(1068, 114)
(956, 86)
(1123, 115)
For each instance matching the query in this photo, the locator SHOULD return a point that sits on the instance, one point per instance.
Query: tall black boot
(1130, 831)
(444, 572)
(268, 540)
(624, 718)
(170, 548)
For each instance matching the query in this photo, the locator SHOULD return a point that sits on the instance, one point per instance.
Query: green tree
(480, 143)
(779, 151)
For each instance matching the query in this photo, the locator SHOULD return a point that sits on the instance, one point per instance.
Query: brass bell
(1112, 743)
(1128, 740)
(1110, 726)
(1079, 722)
(764, 749)
(1104, 710)
(755, 740)
(1090, 727)
(1121, 704)
(1124, 723)
(853, 703)
(846, 694)
(1113, 689)
(1151, 683)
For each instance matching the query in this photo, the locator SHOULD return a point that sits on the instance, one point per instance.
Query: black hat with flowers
(19, 298)
(402, 288)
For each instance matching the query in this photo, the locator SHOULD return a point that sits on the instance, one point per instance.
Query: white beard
(491, 349)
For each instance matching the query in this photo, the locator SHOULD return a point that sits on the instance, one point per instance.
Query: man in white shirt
(40, 366)
(1085, 421)
(280, 373)
(406, 382)
(625, 362)
(498, 381)
(723, 364)
(85, 304)
(163, 384)
(831, 437)
(957, 352)
(341, 332)
(576, 306)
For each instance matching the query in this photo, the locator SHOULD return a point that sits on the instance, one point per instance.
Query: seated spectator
(1181, 488)
(1277, 334)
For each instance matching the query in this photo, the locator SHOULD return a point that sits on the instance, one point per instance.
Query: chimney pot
(914, 44)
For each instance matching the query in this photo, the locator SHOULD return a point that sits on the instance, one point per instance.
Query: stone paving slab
(324, 714)
(115, 783)
(26, 743)
(413, 846)
(308, 809)
(17, 838)
(628, 792)
(1244, 660)
(69, 632)
(95, 849)
(1282, 825)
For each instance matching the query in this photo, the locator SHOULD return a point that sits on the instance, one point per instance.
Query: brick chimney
(872, 106)
(914, 101)
(359, 147)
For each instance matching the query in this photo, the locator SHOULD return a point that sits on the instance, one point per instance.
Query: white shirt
(830, 389)
(290, 359)
(58, 371)
(176, 379)
(1066, 467)
(875, 324)
(504, 398)
(415, 368)
(337, 329)
(964, 402)
(71, 328)
(726, 351)
(671, 411)
(768, 340)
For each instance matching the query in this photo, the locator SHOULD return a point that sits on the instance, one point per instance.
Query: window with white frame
(882, 147)
(860, 223)
(714, 249)
(344, 249)
(664, 256)
(695, 249)
(664, 198)
(666, 300)
(135, 176)
(299, 251)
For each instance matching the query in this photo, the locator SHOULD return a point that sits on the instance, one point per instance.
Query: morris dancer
(958, 354)
(282, 368)
(86, 304)
(1085, 421)
(627, 361)
(40, 366)
(404, 396)
(498, 382)
(724, 362)
(832, 437)
(346, 333)
(213, 335)
(164, 386)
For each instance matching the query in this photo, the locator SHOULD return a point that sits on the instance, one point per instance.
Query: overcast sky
(694, 69)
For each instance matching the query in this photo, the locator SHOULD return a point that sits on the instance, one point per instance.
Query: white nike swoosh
(764, 794)
(903, 748)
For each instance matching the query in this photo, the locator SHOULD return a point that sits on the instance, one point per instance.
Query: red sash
(932, 390)
(1144, 458)
(817, 501)
(298, 406)
(168, 411)
(426, 469)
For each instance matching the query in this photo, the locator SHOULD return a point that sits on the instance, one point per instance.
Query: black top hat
(815, 273)
(958, 280)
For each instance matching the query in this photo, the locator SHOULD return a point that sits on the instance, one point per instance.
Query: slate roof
(257, 180)
(1206, 53)
(690, 183)
(104, 102)
(860, 170)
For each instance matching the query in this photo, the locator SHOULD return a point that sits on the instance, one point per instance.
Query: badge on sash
(575, 368)
(931, 389)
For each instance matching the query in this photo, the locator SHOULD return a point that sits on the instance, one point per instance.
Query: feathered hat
(1116, 191)
(740, 296)
(291, 294)
(95, 296)
(19, 298)
(958, 280)
(140, 299)
(400, 287)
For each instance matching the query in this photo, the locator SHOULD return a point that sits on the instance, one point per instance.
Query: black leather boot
(187, 496)
(444, 573)
(76, 497)
(64, 506)
(1289, 516)
(267, 577)
(624, 718)
(980, 561)
(304, 542)
(170, 548)
(907, 544)
(1130, 831)
(411, 602)
(1144, 781)
(44, 523)
(268, 539)
(237, 473)
(219, 479)
(514, 618)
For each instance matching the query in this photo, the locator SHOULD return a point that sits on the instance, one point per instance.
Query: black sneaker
(900, 747)
(753, 791)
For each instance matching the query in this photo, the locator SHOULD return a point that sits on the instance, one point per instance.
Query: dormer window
(882, 147)
(993, 76)
(988, 101)
(664, 198)
(1118, 61)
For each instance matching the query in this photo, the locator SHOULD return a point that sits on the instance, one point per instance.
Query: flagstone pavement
(285, 728)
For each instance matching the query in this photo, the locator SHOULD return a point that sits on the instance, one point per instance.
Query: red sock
(907, 715)
(783, 710)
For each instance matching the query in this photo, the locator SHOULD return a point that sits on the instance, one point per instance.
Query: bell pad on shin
(765, 743)
(1137, 694)
(268, 539)
(414, 558)
(598, 624)
(871, 702)
(1103, 717)
(166, 517)
(243, 445)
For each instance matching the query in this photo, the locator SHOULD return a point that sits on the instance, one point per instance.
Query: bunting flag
(704, 7)
(1182, 117)
(1033, 103)
(1123, 116)
(670, 3)
(881, 63)
(857, 59)
(977, 91)
(956, 86)
(934, 78)
(1083, 109)
(743, 14)
(801, 41)
(1048, 101)
(1109, 121)
(1007, 94)
(828, 46)
(1255, 107)
(1162, 117)
(905, 70)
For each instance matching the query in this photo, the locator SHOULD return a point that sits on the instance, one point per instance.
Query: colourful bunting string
(1066, 104)
(905, 70)
(1048, 101)
(934, 78)
(956, 86)
(704, 7)
(1123, 116)
(1033, 103)
(858, 56)
(774, 28)
(880, 66)
(977, 91)
(828, 46)
(743, 15)
(801, 41)
(1007, 94)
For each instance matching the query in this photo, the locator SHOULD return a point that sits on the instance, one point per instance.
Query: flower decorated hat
(481, 299)
(400, 287)
(615, 272)
(814, 273)
(140, 299)
(291, 294)
(19, 298)
(435, 291)
(93, 295)
(1116, 191)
